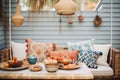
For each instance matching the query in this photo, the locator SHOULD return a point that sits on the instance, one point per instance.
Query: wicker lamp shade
(17, 19)
(66, 7)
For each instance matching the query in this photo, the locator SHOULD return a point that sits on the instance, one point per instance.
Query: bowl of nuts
(51, 65)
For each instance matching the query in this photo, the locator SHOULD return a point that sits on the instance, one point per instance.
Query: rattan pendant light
(17, 18)
(66, 7)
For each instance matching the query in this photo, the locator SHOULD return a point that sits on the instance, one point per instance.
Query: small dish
(35, 68)
(70, 66)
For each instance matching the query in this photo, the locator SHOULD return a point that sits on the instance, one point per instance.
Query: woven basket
(17, 19)
(66, 7)
(4, 55)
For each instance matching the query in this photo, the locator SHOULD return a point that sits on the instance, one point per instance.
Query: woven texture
(66, 7)
(38, 49)
(17, 19)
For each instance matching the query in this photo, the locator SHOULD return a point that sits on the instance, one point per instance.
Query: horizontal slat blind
(44, 27)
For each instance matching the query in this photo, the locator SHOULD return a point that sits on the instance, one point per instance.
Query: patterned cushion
(86, 54)
(81, 46)
(38, 49)
(63, 54)
(89, 58)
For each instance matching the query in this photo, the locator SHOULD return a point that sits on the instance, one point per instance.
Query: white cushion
(19, 50)
(102, 71)
(102, 60)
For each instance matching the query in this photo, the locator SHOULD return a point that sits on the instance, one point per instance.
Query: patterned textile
(38, 49)
(86, 54)
(63, 54)
(81, 46)
(89, 58)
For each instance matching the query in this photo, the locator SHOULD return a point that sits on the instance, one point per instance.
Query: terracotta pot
(17, 18)
(66, 7)
(80, 18)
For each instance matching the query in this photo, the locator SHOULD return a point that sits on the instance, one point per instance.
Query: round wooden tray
(24, 66)
(70, 68)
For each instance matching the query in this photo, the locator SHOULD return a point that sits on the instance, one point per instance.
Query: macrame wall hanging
(17, 18)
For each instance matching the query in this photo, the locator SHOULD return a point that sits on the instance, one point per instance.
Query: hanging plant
(98, 20)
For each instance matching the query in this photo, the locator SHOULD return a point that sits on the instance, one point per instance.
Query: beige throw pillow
(102, 60)
(19, 50)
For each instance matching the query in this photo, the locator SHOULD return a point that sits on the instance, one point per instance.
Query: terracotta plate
(70, 67)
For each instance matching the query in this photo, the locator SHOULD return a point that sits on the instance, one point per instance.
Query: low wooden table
(82, 73)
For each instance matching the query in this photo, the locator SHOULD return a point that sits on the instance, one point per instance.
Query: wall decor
(17, 18)
(80, 17)
(97, 21)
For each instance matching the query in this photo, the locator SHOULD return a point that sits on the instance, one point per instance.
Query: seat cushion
(102, 71)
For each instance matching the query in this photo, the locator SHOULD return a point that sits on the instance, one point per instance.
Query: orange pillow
(63, 54)
(38, 49)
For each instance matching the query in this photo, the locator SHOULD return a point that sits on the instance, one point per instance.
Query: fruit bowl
(15, 64)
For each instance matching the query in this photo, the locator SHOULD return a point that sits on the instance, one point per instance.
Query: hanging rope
(60, 25)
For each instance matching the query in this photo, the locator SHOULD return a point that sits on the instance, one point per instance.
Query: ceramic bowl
(51, 67)
(32, 60)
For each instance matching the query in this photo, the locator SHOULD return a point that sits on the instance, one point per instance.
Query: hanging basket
(17, 19)
(97, 21)
(66, 7)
